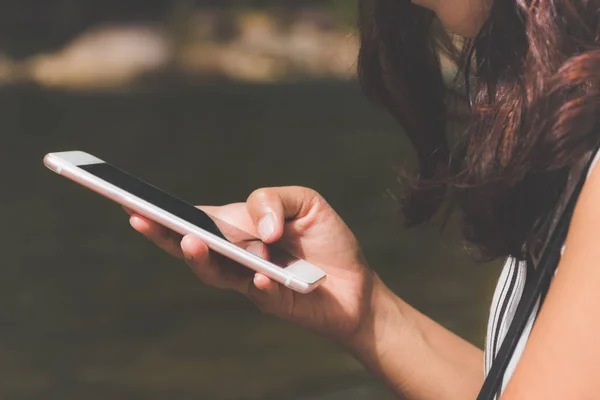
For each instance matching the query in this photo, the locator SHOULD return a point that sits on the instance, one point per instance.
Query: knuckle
(316, 201)
(307, 190)
(313, 198)
(261, 195)
(316, 211)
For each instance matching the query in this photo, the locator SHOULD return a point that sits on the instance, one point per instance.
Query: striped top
(507, 295)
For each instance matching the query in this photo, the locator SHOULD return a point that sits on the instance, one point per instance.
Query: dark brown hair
(532, 81)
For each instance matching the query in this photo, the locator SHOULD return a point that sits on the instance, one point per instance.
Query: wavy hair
(531, 79)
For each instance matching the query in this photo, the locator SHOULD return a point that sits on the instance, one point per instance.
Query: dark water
(90, 310)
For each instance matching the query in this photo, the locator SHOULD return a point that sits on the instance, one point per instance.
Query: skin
(418, 358)
(463, 17)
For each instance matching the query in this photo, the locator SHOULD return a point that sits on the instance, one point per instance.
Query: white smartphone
(183, 218)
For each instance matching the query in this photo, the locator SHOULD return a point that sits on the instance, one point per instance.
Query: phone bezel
(300, 276)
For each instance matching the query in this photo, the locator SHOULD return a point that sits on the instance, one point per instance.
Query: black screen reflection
(188, 212)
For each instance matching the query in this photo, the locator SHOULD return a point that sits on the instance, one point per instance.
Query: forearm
(418, 358)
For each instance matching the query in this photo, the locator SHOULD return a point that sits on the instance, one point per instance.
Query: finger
(164, 238)
(212, 210)
(220, 272)
(263, 283)
(214, 269)
(257, 248)
(269, 208)
(233, 221)
(197, 256)
(266, 294)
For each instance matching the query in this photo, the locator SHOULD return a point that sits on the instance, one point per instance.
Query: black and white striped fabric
(507, 295)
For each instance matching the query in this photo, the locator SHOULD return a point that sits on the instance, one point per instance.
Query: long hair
(532, 82)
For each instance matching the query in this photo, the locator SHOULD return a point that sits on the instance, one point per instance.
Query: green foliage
(344, 11)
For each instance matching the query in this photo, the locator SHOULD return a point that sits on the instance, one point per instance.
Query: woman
(532, 70)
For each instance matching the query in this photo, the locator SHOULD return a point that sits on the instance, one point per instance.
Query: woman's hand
(302, 222)
(418, 358)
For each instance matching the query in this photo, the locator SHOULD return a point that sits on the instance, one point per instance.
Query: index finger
(163, 237)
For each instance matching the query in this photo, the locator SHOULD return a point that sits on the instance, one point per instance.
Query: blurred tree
(31, 26)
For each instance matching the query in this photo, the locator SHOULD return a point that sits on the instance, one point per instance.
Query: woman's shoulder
(569, 320)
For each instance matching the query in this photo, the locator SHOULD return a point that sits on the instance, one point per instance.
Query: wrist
(381, 312)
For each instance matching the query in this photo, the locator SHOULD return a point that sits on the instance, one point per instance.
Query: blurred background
(208, 99)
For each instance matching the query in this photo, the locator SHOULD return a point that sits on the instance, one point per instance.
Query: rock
(261, 47)
(108, 56)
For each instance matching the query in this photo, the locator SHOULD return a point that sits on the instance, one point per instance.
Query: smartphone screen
(189, 213)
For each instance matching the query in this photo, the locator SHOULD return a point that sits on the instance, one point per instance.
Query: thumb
(269, 208)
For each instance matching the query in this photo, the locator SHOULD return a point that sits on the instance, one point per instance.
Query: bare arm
(562, 357)
(418, 358)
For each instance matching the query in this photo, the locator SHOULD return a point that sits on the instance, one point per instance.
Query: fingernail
(185, 242)
(266, 226)
(256, 282)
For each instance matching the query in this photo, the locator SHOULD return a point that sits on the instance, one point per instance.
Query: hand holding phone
(185, 219)
(303, 224)
(213, 269)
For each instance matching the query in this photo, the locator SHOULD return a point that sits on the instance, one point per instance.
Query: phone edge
(73, 172)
